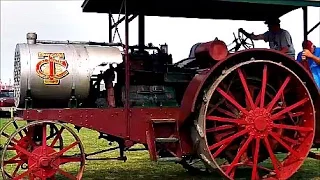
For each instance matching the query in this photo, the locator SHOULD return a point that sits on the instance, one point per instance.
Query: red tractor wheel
(35, 155)
(258, 115)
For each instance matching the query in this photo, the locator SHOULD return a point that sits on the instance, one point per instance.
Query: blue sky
(64, 20)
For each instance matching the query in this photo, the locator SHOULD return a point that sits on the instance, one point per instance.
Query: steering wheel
(243, 40)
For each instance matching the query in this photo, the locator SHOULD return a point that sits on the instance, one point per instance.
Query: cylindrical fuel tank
(50, 71)
(216, 49)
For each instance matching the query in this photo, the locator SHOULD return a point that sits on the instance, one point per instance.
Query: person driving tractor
(278, 38)
(311, 54)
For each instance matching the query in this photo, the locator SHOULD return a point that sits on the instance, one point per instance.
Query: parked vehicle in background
(6, 101)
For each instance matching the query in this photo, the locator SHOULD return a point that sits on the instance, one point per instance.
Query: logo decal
(52, 67)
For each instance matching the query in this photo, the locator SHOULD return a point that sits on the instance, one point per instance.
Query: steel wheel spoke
(273, 158)
(287, 109)
(11, 148)
(17, 169)
(232, 101)
(296, 128)
(231, 108)
(251, 91)
(211, 108)
(66, 174)
(221, 148)
(255, 159)
(226, 112)
(220, 128)
(223, 119)
(65, 149)
(246, 89)
(24, 151)
(44, 136)
(231, 138)
(290, 140)
(19, 177)
(16, 126)
(7, 136)
(58, 135)
(225, 134)
(296, 114)
(260, 167)
(279, 93)
(264, 85)
(67, 159)
(258, 99)
(276, 137)
(240, 153)
(22, 175)
(248, 163)
(12, 160)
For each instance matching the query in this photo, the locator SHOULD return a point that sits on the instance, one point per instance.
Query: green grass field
(138, 165)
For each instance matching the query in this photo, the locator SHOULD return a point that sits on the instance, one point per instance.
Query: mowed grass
(139, 166)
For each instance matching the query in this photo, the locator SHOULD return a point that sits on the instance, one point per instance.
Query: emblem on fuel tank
(52, 67)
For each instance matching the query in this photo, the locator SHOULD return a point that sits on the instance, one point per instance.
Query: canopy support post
(141, 29)
(110, 27)
(127, 70)
(305, 23)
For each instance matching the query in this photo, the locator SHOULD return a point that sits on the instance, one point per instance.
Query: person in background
(311, 54)
(108, 76)
(278, 38)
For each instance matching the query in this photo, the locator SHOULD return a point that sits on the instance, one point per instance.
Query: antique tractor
(228, 110)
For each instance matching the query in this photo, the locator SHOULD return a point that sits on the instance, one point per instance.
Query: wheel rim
(41, 160)
(259, 127)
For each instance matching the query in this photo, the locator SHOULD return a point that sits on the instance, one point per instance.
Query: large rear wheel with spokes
(257, 120)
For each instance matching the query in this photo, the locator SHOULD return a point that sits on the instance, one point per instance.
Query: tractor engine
(154, 80)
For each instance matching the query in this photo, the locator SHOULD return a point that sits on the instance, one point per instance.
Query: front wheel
(257, 116)
(31, 152)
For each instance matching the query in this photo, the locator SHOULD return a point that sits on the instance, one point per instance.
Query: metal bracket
(114, 25)
(313, 28)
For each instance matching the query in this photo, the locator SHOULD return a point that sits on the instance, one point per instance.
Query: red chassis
(113, 121)
(150, 125)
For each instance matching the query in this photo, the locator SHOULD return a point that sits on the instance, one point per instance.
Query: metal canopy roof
(250, 10)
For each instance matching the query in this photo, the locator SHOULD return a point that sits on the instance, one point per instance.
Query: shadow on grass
(163, 173)
(145, 170)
